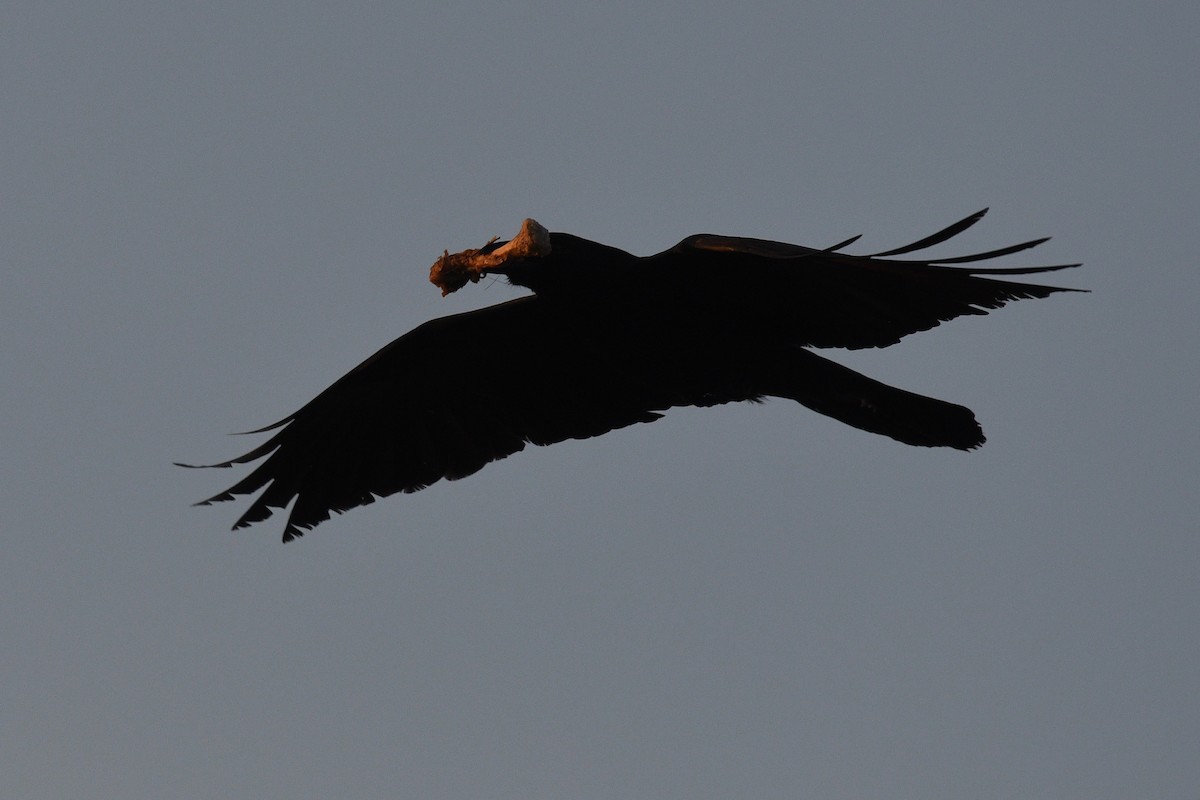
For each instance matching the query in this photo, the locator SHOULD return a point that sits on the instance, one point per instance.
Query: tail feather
(847, 396)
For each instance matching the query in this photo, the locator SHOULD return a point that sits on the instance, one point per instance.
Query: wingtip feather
(948, 232)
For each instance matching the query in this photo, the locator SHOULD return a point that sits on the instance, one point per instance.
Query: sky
(212, 211)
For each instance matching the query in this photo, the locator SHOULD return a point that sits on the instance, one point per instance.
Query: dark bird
(609, 339)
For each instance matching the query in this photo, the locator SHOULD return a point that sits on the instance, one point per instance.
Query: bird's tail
(836, 391)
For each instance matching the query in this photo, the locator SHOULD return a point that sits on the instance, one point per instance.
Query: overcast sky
(213, 210)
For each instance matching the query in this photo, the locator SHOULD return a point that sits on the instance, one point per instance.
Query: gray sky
(211, 211)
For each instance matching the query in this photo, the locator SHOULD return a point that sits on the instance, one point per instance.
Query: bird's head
(452, 271)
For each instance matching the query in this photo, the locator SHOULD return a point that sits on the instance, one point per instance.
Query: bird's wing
(440, 402)
(825, 298)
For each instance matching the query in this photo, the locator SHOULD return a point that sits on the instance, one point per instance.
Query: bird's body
(608, 340)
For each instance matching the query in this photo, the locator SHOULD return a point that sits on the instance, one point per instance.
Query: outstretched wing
(439, 402)
(825, 298)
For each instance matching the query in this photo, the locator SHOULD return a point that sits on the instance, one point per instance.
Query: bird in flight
(608, 339)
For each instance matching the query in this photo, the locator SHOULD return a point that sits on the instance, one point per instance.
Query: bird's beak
(532, 240)
(451, 272)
